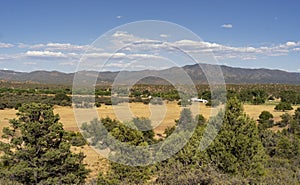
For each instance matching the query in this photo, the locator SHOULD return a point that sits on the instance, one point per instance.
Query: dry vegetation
(94, 161)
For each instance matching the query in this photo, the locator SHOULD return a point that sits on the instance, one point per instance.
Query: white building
(199, 100)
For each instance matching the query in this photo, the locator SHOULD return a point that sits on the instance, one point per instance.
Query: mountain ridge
(232, 75)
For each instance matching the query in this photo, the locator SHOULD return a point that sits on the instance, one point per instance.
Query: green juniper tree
(38, 151)
(265, 120)
(283, 106)
(237, 149)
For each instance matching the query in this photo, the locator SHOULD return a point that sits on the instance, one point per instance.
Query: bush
(97, 104)
(283, 106)
(75, 138)
(285, 120)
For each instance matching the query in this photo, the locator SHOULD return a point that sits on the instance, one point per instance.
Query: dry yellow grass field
(172, 111)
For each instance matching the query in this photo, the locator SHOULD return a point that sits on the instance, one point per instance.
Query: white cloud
(134, 44)
(119, 17)
(290, 44)
(22, 45)
(164, 35)
(41, 54)
(105, 55)
(58, 46)
(9, 56)
(227, 26)
(296, 49)
(122, 56)
(144, 56)
(142, 49)
(6, 45)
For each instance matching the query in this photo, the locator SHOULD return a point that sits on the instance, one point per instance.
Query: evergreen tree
(283, 106)
(265, 120)
(286, 119)
(37, 151)
(295, 124)
(237, 149)
(144, 125)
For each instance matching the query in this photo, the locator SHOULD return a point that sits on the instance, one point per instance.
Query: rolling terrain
(231, 75)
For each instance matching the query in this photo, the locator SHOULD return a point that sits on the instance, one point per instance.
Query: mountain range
(232, 75)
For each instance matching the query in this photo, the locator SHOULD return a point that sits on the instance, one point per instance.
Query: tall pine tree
(37, 151)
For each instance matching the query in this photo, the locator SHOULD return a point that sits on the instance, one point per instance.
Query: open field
(172, 112)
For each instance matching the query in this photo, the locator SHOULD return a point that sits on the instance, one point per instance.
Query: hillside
(232, 75)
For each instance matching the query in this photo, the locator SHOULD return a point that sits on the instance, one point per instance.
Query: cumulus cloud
(290, 44)
(119, 17)
(134, 43)
(137, 45)
(227, 26)
(6, 45)
(141, 49)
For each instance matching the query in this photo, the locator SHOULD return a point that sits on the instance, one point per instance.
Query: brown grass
(95, 162)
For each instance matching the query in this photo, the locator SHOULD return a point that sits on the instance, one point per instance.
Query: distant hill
(231, 75)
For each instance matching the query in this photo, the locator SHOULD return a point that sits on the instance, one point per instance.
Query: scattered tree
(283, 106)
(144, 125)
(265, 120)
(37, 151)
(286, 119)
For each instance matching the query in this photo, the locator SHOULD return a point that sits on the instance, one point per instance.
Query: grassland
(172, 111)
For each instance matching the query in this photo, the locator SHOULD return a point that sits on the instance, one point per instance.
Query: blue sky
(53, 35)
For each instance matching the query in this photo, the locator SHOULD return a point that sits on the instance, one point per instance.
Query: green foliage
(62, 99)
(269, 141)
(265, 116)
(206, 95)
(280, 171)
(237, 149)
(209, 103)
(144, 125)
(177, 173)
(123, 132)
(169, 130)
(236, 156)
(97, 104)
(38, 151)
(289, 96)
(288, 146)
(295, 124)
(265, 120)
(283, 106)
(286, 119)
(123, 174)
(75, 138)
(200, 119)
(283, 149)
(186, 119)
(256, 96)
